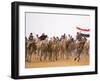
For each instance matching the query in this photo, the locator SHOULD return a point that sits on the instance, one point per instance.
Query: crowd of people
(55, 48)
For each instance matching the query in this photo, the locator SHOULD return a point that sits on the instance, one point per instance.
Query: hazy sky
(55, 24)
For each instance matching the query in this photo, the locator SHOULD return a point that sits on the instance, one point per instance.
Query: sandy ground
(35, 63)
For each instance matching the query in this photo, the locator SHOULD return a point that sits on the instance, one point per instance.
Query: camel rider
(30, 37)
(43, 36)
(78, 36)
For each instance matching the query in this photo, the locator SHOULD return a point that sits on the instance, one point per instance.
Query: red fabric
(87, 30)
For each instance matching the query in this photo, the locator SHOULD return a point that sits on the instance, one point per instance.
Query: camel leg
(77, 58)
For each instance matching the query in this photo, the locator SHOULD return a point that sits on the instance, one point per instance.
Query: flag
(83, 32)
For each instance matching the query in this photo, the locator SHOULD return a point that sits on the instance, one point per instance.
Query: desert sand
(35, 63)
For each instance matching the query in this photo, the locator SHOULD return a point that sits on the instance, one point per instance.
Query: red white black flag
(83, 32)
